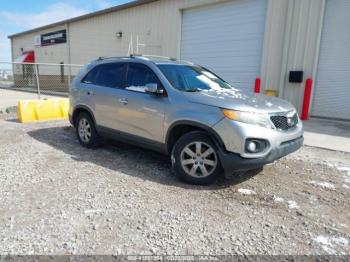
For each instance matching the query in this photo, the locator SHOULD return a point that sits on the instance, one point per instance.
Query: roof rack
(112, 57)
(158, 56)
(148, 57)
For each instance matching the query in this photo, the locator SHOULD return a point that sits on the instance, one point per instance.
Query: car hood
(238, 100)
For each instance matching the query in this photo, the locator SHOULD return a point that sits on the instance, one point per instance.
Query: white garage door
(332, 87)
(226, 38)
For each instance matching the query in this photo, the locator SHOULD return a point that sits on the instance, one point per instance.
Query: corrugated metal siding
(227, 38)
(157, 24)
(302, 43)
(332, 88)
(274, 45)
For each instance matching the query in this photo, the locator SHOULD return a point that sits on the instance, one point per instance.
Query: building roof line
(86, 16)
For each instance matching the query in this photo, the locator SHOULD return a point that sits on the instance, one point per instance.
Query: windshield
(192, 78)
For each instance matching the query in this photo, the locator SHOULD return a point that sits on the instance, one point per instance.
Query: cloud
(13, 21)
(54, 13)
(24, 21)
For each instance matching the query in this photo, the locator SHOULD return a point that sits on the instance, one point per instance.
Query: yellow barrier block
(38, 110)
(269, 92)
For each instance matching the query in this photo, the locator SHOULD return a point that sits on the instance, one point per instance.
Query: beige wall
(291, 38)
(302, 44)
(157, 24)
(44, 54)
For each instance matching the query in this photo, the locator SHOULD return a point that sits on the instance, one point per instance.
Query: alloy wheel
(84, 130)
(198, 159)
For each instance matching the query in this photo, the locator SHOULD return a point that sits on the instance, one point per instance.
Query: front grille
(285, 122)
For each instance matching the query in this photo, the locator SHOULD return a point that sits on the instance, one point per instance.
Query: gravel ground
(59, 198)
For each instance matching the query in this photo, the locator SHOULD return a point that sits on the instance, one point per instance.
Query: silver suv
(183, 110)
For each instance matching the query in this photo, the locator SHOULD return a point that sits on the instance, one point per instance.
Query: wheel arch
(179, 128)
(79, 109)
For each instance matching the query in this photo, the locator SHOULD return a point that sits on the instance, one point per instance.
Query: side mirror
(152, 88)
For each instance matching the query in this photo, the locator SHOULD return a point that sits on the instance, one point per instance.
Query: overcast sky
(21, 15)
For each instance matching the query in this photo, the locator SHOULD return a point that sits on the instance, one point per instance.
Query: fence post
(69, 75)
(37, 79)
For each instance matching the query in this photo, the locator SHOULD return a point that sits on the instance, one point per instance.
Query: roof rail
(170, 58)
(158, 56)
(112, 57)
(148, 57)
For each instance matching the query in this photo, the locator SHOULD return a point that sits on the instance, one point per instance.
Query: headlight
(248, 117)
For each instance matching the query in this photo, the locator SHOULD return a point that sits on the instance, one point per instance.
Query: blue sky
(21, 15)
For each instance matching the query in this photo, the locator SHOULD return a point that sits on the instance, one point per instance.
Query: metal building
(283, 42)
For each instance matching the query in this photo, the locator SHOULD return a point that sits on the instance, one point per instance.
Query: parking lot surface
(60, 198)
(9, 98)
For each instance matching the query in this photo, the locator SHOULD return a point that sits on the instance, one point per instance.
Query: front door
(142, 114)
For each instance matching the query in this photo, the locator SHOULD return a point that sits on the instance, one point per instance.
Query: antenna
(138, 44)
(131, 46)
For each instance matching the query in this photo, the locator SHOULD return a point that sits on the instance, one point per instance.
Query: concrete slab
(328, 134)
(10, 98)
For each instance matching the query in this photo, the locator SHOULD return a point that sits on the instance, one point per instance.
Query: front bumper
(234, 162)
(234, 136)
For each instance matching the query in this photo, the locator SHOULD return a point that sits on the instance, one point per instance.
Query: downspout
(317, 50)
(12, 58)
(286, 47)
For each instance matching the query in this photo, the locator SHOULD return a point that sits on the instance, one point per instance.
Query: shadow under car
(127, 159)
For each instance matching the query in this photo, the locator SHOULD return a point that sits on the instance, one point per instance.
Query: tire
(86, 135)
(196, 165)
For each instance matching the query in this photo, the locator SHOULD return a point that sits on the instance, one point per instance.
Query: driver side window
(138, 76)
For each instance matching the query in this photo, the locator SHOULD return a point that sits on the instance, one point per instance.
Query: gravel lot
(59, 198)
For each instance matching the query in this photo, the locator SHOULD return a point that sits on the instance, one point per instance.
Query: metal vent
(286, 121)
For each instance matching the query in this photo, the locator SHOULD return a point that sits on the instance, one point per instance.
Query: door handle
(90, 93)
(124, 101)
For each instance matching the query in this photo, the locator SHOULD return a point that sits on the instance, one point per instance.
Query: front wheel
(195, 159)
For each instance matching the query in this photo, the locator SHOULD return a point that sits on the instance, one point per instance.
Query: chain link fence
(38, 78)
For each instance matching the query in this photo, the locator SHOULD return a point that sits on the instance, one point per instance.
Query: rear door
(142, 114)
(101, 91)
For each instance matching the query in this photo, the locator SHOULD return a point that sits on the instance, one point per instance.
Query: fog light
(251, 147)
(255, 145)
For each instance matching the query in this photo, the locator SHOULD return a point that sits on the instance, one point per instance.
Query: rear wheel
(86, 131)
(195, 159)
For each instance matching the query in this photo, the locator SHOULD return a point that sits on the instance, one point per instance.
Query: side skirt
(131, 139)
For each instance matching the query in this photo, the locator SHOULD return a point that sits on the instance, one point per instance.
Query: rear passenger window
(90, 77)
(108, 75)
(139, 76)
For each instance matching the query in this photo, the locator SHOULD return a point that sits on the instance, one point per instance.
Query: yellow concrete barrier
(38, 110)
(269, 92)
